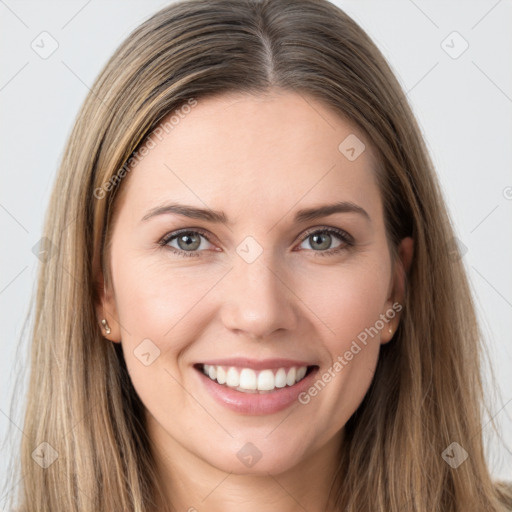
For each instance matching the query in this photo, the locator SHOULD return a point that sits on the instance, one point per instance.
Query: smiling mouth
(248, 380)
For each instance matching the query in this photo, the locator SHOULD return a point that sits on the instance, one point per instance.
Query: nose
(257, 300)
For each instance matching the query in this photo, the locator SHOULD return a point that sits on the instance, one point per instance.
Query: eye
(186, 242)
(321, 241)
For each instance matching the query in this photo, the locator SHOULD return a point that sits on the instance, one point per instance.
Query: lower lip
(256, 403)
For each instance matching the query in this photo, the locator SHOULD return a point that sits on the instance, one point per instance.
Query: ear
(106, 309)
(395, 303)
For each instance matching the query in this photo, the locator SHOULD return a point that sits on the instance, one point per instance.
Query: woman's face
(250, 238)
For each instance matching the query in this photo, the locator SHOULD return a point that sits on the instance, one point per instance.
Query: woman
(255, 301)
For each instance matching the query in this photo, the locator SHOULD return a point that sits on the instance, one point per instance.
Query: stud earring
(105, 326)
(390, 330)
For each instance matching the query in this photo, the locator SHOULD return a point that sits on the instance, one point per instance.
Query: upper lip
(256, 364)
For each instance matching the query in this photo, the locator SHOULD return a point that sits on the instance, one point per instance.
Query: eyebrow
(214, 216)
(330, 209)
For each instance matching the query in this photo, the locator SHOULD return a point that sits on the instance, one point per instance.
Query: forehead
(256, 154)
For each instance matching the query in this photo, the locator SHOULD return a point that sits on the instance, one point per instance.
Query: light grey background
(463, 104)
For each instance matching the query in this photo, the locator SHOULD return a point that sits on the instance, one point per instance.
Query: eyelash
(347, 240)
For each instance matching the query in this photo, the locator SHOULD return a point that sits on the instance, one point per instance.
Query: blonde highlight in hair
(427, 390)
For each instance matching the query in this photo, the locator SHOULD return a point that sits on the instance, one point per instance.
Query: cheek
(160, 301)
(348, 299)
(152, 298)
(159, 308)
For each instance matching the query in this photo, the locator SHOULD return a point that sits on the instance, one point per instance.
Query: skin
(259, 159)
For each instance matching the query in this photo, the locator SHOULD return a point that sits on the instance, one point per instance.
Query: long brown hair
(427, 391)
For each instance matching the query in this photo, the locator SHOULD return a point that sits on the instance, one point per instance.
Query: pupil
(187, 242)
(317, 239)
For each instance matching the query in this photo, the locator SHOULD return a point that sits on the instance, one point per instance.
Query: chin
(260, 456)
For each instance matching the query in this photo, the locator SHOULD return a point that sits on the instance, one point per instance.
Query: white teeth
(291, 376)
(247, 379)
(266, 381)
(221, 375)
(300, 373)
(280, 378)
(233, 378)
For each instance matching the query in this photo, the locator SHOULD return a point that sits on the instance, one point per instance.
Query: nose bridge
(256, 301)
